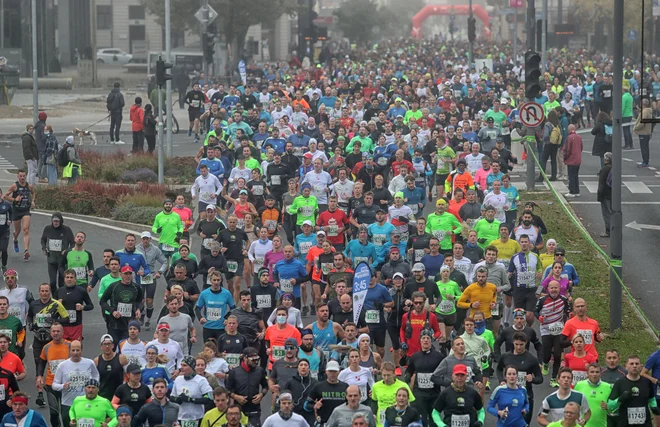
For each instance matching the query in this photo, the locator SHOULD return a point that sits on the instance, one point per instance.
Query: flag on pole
(361, 280)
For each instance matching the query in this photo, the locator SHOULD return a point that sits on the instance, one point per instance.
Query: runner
(133, 348)
(195, 100)
(55, 239)
(110, 366)
(53, 353)
(23, 197)
(151, 254)
(75, 299)
(633, 396)
(123, 299)
(6, 215)
(79, 260)
(212, 306)
(169, 227)
(91, 409)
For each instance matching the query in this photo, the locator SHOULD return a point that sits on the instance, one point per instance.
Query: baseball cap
(107, 337)
(490, 119)
(332, 366)
(126, 269)
(300, 128)
(381, 210)
(320, 232)
(400, 275)
(308, 155)
(307, 222)
(291, 341)
(210, 207)
(418, 267)
(441, 202)
(163, 325)
(133, 368)
(145, 234)
(243, 191)
(460, 369)
(250, 352)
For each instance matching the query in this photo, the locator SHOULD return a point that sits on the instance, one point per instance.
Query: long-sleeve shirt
(485, 295)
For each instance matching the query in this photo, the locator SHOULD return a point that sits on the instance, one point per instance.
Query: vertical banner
(361, 280)
(242, 71)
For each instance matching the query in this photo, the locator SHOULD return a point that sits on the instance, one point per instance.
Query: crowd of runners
(395, 160)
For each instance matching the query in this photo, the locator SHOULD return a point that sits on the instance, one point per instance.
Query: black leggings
(290, 227)
(54, 399)
(552, 347)
(56, 277)
(424, 406)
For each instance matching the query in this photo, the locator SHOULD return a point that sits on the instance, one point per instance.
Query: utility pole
(161, 148)
(544, 36)
(471, 34)
(92, 34)
(530, 133)
(616, 221)
(515, 37)
(168, 84)
(35, 72)
(205, 27)
(2, 24)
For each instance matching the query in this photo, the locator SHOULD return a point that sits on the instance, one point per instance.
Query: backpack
(608, 133)
(63, 156)
(555, 135)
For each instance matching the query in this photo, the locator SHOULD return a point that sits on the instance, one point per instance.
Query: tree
(234, 18)
(358, 18)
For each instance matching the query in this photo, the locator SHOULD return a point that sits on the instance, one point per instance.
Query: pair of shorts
(167, 254)
(201, 206)
(377, 334)
(19, 214)
(72, 333)
(150, 289)
(524, 298)
(447, 319)
(239, 270)
(393, 332)
(194, 114)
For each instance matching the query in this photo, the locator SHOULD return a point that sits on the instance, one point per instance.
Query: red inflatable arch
(430, 10)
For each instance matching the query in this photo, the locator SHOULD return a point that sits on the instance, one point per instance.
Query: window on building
(135, 12)
(104, 17)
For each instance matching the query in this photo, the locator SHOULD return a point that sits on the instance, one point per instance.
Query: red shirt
(396, 165)
(588, 329)
(12, 363)
(455, 207)
(579, 365)
(417, 322)
(340, 219)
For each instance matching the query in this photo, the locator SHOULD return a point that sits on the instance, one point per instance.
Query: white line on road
(98, 224)
(637, 187)
(592, 186)
(623, 203)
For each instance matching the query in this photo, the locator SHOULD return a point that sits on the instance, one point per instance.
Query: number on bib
(125, 309)
(286, 285)
(460, 420)
(42, 320)
(276, 180)
(233, 360)
(81, 273)
(73, 315)
(232, 266)
(424, 380)
(521, 381)
(278, 352)
(166, 247)
(446, 306)
(213, 314)
(587, 334)
(147, 279)
(556, 328)
(372, 316)
(263, 301)
(55, 245)
(85, 422)
(636, 416)
(579, 376)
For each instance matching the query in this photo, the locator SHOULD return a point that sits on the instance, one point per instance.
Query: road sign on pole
(515, 3)
(632, 35)
(201, 17)
(531, 114)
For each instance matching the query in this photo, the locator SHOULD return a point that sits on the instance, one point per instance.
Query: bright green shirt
(385, 396)
(445, 152)
(367, 145)
(626, 106)
(106, 281)
(487, 230)
(595, 394)
(79, 261)
(171, 225)
(84, 410)
(305, 208)
(498, 118)
(550, 106)
(447, 306)
(442, 227)
(410, 113)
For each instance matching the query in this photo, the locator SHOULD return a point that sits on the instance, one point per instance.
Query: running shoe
(120, 142)
(544, 369)
(488, 386)
(305, 311)
(147, 325)
(554, 383)
(4, 269)
(312, 310)
(40, 400)
(643, 165)
(26, 255)
(189, 132)
(16, 246)
(397, 371)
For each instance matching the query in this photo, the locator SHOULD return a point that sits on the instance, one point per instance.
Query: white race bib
(271, 224)
(579, 376)
(258, 262)
(588, 335)
(439, 234)
(3, 219)
(446, 306)
(333, 230)
(55, 245)
(526, 278)
(556, 328)
(460, 420)
(147, 279)
(258, 190)
(14, 311)
(379, 239)
(213, 314)
(419, 253)
(189, 423)
(382, 161)
(276, 180)
(359, 259)
(7, 332)
(263, 301)
(73, 315)
(372, 316)
(414, 208)
(232, 266)
(125, 309)
(166, 247)
(521, 381)
(636, 416)
(85, 422)
(53, 364)
(207, 243)
(326, 267)
(424, 380)
(305, 247)
(306, 210)
(240, 223)
(495, 311)
(78, 379)
(286, 285)
(42, 320)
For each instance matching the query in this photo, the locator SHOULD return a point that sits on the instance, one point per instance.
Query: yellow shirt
(505, 251)
(213, 418)
(485, 295)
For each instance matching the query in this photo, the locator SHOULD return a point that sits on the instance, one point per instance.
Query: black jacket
(601, 144)
(115, 101)
(54, 241)
(604, 189)
(300, 388)
(248, 384)
(29, 145)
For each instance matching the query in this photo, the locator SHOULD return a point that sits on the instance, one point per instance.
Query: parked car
(113, 56)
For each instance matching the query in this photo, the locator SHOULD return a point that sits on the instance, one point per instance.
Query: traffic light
(161, 72)
(472, 29)
(532, 75)
(208, 40)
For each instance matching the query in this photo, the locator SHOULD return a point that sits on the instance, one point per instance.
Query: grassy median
(635, 336)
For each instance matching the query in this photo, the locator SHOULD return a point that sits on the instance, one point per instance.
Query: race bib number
(263, 301)
(232, 266)
(207, 105)
(166, 247)
(258, 262)
(372, 316)
(2, 392)
(520, 381)
(54, 245)
(85, 422)
(78, 380)
(460, 420)
(526, 278)
(73, 315)
(240, 223)
(271, 224)
(3, 219)
(147, 279)
(424, 380)
(333, 230)
(439, 234)
(42, 320)
(286, 285)
(414, 208)
(382, 161)
(446, 306)
(278, 352)
(208, 242)
(125, 309)
(326, 267)
(297, 151)
(195, 103)
(258, 190)
(636, 416)
(556, 328)
(276, 180)
(419, 253)
(492, 134)
(53, 364)
(306, 210)
(382, 417)
(379, 239)
(15, 311)
(189, 423)
(579, 376)
(305, 247)
(364, 394)
(587, 334)
(213, 314)
(81, 273)
(495, 311)
(233, 360)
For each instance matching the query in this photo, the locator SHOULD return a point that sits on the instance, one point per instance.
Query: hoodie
(56, 240)
(39, 127)
(137, 118)
(115, 101)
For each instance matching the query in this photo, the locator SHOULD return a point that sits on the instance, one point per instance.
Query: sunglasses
(290, 348)
(560, 254)
(10, 277)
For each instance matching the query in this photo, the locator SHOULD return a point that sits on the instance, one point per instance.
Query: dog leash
(93, 124)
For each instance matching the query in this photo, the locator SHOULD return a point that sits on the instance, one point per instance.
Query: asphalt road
(100, 236)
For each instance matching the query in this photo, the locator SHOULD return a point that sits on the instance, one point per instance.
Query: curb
(127, 226)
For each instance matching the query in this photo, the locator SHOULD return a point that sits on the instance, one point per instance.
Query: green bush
(129, 212)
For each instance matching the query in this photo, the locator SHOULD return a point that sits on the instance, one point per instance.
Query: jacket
(247, 383)
(54, 241)
(573, 150)
(644, 128)
(149, 124)
(39, 136)
(601, 145)
(156, 414)
(604, 188)
(115, 101)
(300, 388)
(30, 151)
(137, 118)
(33, 419)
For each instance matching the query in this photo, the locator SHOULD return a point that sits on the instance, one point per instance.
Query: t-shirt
(197, 386)
(54, 354)
(213, 418)
(76, 374)
(214, 307)
(135, 398)
(179, 327)
(553, 406)
(276, 338)
(595, 394)
(91, 412)
(589, 329)
(362, 378)
(385, 396)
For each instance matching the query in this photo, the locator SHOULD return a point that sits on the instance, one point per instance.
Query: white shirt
(76, 374)
(320, 182)
(343, 191)
(362, 379)
(276, 421)
(135, 353)
(198, 386)
(216, 365)
(473, 162)
(257, 252)
(18, 304)
(208, 188)
(172, 350)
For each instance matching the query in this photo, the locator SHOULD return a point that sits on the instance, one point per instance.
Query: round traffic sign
(531, 114)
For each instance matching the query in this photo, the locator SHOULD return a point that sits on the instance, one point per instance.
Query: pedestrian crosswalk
(591, 186)
(6, 164)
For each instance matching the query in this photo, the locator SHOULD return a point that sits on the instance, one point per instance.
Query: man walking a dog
(115, 105)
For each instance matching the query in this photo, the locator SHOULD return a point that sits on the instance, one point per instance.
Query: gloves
(541, 319)
(655, 410)
(176, 399)
(484, 359)
(478, 424)
(159, 230)
(404, 346)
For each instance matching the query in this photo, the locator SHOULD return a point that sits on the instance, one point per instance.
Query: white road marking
(623, 203)
(592, 186)
(637, 187)
(97, 224)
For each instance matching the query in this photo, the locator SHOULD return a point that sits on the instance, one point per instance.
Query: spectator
(30, 154)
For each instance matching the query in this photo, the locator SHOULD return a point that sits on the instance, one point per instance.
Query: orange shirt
(303, 104)
(276, 338)
(54, 354)
(312, 257)
(12, 363)
(455, 207)
(485, 295)
(588, 329)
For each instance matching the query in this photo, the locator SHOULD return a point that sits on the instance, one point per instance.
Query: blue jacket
(356, 250)
(414, 196)
(215, 167)
(33, 419)
(135, 260)
(385, 252)
(299, 141)
(290, 269)
(568, 272)
(515, 400)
